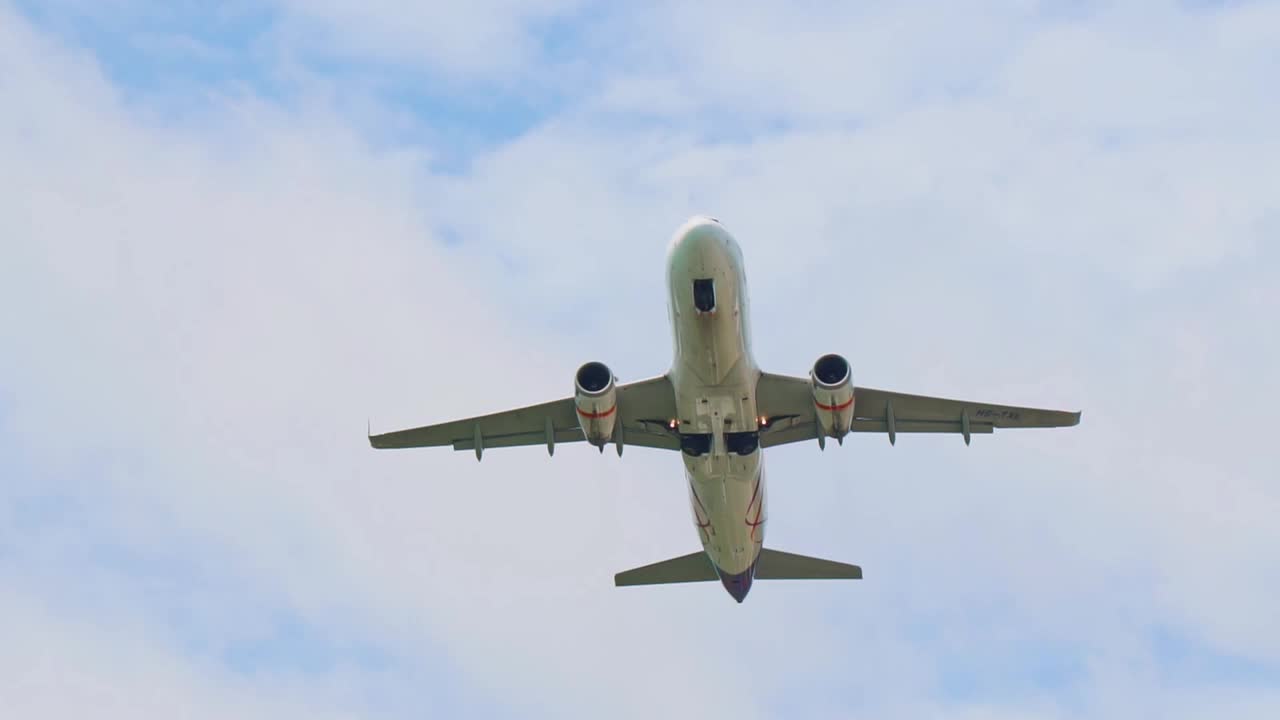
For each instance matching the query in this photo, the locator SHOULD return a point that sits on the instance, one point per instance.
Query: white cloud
(219, 316)
(203, 316)
(60, 667)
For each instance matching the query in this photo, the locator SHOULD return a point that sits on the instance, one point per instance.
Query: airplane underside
(719, 411)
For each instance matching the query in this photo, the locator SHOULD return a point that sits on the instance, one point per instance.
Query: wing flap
(573, 434)
(921, 426)
(637, 435)
(799, 432)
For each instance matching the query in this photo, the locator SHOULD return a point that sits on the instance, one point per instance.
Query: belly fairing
(727, 494)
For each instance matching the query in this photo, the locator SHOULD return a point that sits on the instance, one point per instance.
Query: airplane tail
(694, 567)
(777, 565)
(771, 565)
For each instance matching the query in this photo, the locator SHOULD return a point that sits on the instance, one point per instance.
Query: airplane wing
(644, 409)
(788, 404)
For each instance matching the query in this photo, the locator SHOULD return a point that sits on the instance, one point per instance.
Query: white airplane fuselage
(714, 377)
(712, 405)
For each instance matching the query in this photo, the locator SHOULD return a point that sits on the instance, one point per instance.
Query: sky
(233, 235)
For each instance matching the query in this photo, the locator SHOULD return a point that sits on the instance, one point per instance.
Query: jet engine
(832, 385)
(596, 399)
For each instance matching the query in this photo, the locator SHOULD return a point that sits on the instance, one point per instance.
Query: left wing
(788, 403)
(644, 408)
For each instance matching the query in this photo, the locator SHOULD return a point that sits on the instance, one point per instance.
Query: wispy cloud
(201, 303)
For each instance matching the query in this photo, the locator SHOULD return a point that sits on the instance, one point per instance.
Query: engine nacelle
(596, 399)
(832, 383)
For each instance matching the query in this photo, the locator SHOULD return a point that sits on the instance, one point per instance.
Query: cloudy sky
(231, 234)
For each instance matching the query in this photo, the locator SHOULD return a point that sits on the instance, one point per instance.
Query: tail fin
(694, 567)
(777, 565)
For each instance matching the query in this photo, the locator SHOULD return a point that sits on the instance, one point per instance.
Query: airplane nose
(699, 235)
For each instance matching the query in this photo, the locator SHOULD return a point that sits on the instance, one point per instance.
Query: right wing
(788, 403)
(644, 408)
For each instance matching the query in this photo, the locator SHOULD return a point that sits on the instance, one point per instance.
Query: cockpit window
(704, 294)
(695, 444)
(742, 443)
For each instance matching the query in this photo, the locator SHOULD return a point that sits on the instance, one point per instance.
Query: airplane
(720, 411)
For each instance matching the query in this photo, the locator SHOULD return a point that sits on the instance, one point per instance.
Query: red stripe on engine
(834, 408)
(596, 415)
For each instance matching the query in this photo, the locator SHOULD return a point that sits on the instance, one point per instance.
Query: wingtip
(1076, 421)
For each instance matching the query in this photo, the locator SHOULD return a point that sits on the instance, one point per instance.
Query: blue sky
(230, 236)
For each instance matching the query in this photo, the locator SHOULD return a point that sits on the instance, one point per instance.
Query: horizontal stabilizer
(771, 565)
(777, 565)
(694, 567)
